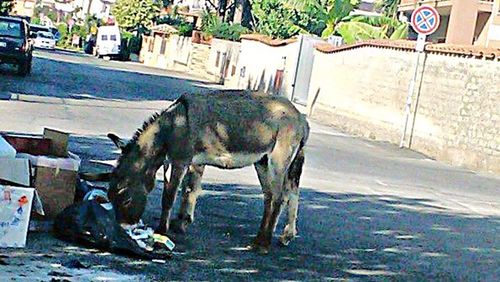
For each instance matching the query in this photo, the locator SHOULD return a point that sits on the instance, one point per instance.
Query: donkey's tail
(295, 170)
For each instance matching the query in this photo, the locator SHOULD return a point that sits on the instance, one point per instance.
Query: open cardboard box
(53, 173)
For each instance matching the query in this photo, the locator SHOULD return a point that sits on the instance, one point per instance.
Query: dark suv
(15, 44)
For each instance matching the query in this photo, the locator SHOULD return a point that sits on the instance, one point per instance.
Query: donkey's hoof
(178, 226)
(259, 248)
(285, 240)
(161, 229)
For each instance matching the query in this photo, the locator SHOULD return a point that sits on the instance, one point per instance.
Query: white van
(108, 41)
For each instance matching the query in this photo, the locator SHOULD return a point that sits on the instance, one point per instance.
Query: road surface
(368, 211)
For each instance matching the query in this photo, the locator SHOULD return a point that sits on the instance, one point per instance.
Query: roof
(164, 28)
(14, 19)
(451, 49)
(268, 40)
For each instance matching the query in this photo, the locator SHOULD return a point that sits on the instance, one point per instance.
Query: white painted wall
(232, 54)
(258, 63)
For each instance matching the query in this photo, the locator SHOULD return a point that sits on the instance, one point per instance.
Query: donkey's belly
(227, 160)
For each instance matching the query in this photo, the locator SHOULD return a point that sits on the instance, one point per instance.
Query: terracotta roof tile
(463, 50)
(268, 40)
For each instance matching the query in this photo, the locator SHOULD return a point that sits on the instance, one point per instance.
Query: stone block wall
(456, 103)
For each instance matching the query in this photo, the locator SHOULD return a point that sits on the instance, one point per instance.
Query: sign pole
(411, 88)
(424, 20)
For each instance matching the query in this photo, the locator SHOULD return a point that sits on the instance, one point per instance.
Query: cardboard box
(15, 210)
(53, 177)
(59, 146)
(15, 171)
(55, 182)
(28, 144)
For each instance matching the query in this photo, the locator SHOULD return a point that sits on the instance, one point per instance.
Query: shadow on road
(342, 235)
(85, 77)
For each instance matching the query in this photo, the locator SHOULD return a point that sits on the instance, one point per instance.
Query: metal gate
(304, 68)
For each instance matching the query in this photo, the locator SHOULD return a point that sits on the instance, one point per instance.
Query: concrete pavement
(368, 211)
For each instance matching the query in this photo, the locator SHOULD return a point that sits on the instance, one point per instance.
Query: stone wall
(177, 53)
(455, 113)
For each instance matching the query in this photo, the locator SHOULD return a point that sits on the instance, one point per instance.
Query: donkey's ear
(117, 140)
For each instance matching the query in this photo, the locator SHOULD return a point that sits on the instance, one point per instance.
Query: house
(24, 8)
(465, 22)
(99, 8)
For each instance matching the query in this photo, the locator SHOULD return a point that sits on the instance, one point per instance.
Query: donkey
(226, 129)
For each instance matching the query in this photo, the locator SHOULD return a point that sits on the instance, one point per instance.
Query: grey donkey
(226, 129)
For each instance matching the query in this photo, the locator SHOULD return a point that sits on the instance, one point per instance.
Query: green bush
(211, 25)
(184, 28)
(274, 19)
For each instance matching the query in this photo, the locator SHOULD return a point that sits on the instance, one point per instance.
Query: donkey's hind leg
(271, 171)
(191, 189)
(269, 178)
(292, 197)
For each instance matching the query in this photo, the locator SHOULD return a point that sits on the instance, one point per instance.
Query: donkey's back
(232, 129)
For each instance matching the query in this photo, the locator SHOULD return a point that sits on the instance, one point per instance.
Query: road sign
(425, 20)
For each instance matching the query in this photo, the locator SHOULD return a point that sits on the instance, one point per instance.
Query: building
(465, 22)
(99, 8)
(24, 8)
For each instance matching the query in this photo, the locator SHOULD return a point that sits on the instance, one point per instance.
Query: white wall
(258, 63)
(215, 60)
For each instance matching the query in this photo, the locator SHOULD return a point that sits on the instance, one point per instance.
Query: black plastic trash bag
(90, 224)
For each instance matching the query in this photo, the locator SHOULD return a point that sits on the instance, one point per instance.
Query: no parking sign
(425, 20)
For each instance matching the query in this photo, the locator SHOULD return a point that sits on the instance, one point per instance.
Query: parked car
(15, 44)
(35, 28)
(46, 40)
(108, 41)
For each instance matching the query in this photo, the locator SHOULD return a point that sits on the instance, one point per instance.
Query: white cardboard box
(15, 210)
(15, 170)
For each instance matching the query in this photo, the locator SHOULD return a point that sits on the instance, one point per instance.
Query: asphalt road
(368, 211)
(75, 75)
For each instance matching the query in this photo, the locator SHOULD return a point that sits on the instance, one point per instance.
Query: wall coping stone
(268, 40)
(408, 45)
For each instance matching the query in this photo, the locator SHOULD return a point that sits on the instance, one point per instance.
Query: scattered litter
(91, 224)
(55, 265)
(159, 261)
(146, 238)
(164, 240)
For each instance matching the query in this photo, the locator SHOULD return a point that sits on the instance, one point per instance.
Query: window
(10, 29)
(163, 46)
(113, 37)
(151, 44)
(217, 59)
(104, 37)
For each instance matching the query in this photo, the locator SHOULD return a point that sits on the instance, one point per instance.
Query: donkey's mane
(144, 126)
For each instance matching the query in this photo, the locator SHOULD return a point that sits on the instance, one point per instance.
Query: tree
(274, 19)
(131, 14)
(390, 7)
(6, 6)
(357, 28)
(338, 20)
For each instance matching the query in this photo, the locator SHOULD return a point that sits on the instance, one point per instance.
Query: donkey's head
(131, 180)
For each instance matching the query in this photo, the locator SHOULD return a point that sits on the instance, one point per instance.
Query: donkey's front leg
(191, 189)
(169, 194)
